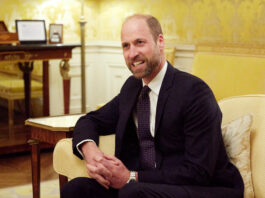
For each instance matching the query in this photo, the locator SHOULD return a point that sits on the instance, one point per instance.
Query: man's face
(142, 54)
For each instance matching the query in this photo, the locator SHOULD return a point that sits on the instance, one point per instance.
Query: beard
(151, 65)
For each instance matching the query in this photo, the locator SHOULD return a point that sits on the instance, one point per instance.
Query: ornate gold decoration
(64, 69)
(32, 141)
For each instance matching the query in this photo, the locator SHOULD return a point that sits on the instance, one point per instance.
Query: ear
(161, 42)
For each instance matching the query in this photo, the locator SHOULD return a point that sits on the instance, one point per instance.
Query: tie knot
(144, 92)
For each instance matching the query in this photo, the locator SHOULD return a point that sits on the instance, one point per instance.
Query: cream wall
(66, 12)
(192, 21)
(183, 21)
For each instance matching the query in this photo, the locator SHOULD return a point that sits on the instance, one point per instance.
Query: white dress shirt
(155, 86)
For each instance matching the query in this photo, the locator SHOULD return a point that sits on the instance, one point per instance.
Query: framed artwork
(3, 27)
(56, 33)
(31, 31)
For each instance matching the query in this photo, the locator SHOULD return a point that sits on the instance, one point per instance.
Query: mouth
(135, 64)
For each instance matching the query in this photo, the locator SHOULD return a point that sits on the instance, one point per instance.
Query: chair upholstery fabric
(229, 75)
(63, 153)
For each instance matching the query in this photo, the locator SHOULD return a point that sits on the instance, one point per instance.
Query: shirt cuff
(80, 143)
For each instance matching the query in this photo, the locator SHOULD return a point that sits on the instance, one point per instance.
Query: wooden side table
(49, 130)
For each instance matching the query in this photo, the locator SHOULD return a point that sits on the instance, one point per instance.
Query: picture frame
(3, 27)
(55, 33)
(31, 31)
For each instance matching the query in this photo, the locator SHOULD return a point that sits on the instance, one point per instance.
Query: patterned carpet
(49, 189)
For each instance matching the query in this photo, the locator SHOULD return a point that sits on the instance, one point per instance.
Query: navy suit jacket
(188, 140)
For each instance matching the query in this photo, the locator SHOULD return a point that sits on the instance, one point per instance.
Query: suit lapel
(129, 99)
(127, 103)
(163, 94)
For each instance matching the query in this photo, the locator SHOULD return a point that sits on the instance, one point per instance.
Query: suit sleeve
(202, 132)
(96, 123)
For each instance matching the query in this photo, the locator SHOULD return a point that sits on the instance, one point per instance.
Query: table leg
(45, 88)
(66, 91)
(64, 69)
(62, 180)
(27, 67)
(35, 167)
(10, 112)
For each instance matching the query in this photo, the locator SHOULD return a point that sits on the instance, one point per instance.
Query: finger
(91, 168)
(105, 183)
(103, 170)
(99, 169)
(112, 158)
(105, 186)
(109, 164)
(98, 158)
(93, 174)
(101, 180)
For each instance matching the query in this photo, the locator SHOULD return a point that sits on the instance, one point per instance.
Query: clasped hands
(108, 170)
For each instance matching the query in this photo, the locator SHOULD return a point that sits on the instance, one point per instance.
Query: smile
(137, 63)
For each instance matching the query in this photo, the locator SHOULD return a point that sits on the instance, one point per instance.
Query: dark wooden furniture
(3, 27)
(25, 55)
(7, 37)
(48, 130)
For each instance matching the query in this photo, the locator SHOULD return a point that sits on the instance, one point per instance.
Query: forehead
(135, 29)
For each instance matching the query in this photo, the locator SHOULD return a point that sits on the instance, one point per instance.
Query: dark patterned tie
(146, 141)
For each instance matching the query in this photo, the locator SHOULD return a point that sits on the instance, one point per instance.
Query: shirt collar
(156, 83)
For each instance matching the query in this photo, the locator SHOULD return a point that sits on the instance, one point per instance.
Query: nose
(133, 52)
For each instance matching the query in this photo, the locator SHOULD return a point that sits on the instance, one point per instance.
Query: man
(167, 126)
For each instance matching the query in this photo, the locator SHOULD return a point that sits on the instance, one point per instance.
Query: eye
(140, 42)
(125, 45)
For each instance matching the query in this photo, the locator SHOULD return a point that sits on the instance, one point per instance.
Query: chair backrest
(238, 106)
(12, 69)
(170, 54)
(230, 75)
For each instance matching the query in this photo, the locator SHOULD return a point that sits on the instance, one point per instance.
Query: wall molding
(105, 74)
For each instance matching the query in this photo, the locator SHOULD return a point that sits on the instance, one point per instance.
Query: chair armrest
(67, 164)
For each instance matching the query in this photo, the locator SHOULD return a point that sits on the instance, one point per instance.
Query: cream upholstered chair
(12, 87)
(234, 107)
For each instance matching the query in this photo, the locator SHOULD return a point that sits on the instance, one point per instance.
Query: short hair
(152, 22)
